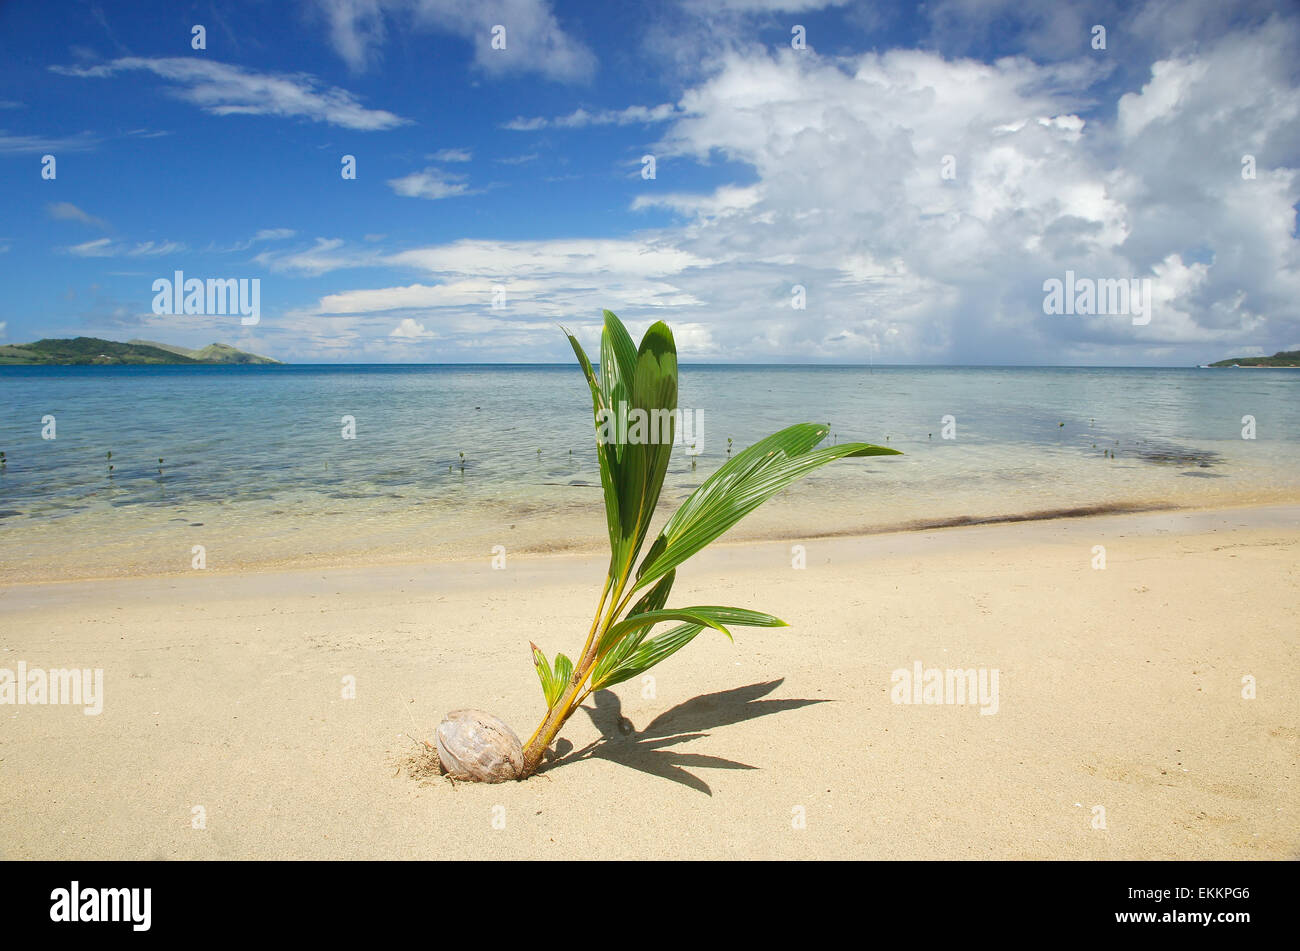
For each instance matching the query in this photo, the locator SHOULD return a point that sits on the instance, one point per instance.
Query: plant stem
(595, 624)
(556, 716)
(573, 696)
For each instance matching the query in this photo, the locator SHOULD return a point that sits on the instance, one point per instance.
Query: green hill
(1283, 358)
(92, 351)
(212, 353)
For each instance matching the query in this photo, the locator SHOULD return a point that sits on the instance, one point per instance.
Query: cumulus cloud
(223, 89)
(903, 263)
(411, 329)
(922, 200)
(722, 201)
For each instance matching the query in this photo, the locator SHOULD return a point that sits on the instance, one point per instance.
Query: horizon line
(735, 364)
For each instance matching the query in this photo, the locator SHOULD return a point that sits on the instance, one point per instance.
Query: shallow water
(255, 467)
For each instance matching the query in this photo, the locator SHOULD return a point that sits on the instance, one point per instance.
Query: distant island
(92, 351)
(1283, 358)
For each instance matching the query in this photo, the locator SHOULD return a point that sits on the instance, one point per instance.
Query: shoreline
(1053, 527)
(594, 545)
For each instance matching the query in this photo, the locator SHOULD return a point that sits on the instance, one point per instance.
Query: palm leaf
(604, 451)
(617, 370)
(651, 618)
(610, 654)
(563, 671)
(649, 654)
(632, 380)
(706, 614)
(550, 689)
(631, 656)
(645, 461)
(741, 485)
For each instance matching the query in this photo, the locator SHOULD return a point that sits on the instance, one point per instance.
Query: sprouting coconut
(634, 400)
(477, 746)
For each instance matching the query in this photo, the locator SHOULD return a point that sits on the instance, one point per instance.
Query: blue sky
(519, 170)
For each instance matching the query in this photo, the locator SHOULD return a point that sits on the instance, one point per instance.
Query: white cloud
(842, 191)
(902, 264)
(223, 89)
(261, 236)
(432, 183)
(581, 118)
(535, 40)
(356, 29)
(410, 329)
(101, 248)
(154, 248)
(107, 248)
(452, 155)
(326, 255)
(386, 299)
(35, 144)
(66, 211)
(274, 234)
(521, 124)
(523, 259)
(761, 6)
(723, 201)
(545, 283)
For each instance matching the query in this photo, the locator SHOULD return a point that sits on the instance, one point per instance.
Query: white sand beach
(1119, 688)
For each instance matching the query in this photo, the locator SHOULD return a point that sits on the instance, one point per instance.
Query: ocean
(256, 467)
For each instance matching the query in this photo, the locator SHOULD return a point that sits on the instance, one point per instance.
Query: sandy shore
(1118, 688)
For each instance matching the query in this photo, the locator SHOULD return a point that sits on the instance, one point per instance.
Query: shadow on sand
(653, 749)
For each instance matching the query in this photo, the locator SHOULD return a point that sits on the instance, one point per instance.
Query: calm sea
(255, 466)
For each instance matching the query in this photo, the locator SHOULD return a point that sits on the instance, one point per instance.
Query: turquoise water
(250, 446)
